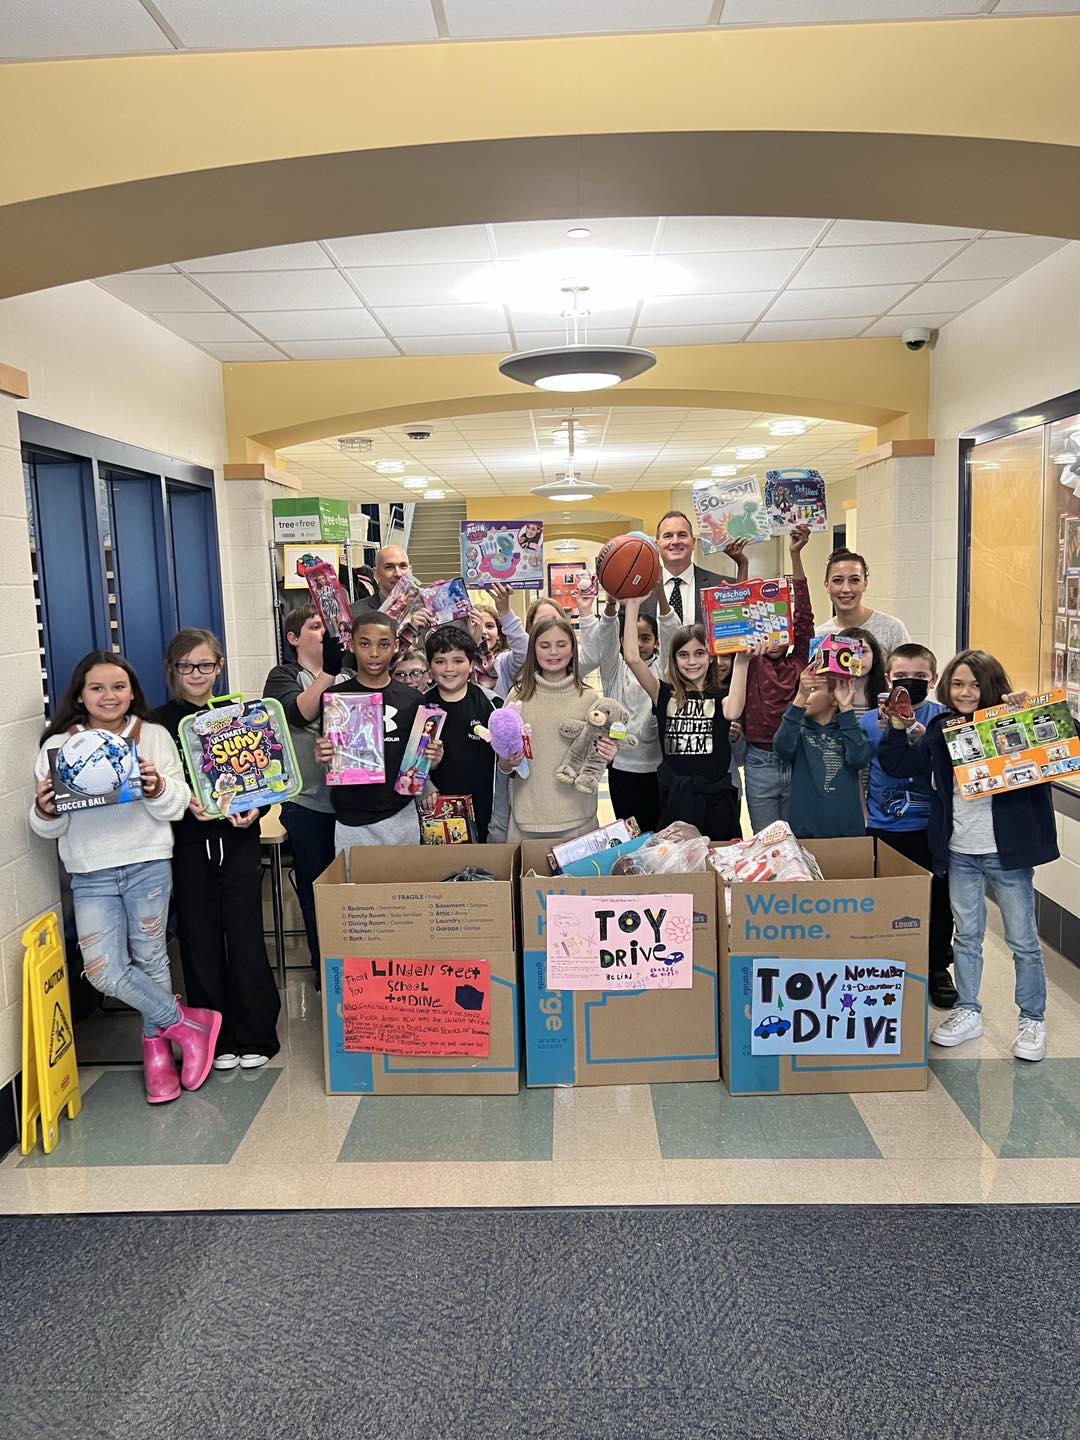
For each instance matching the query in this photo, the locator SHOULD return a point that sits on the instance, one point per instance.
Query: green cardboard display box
(306, 518)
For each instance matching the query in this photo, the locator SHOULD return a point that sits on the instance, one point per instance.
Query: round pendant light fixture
(577, 366)
(569, 486)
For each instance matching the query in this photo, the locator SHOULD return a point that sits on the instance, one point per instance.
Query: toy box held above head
(794, 498)
(331, 600)
(729, 510)
(1009, 747)
(737, 615)
(506, 551)
(94, 768)
(239, 755)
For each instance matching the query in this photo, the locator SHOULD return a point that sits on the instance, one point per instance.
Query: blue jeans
(768, 787)
(311, 840)
(1014, 891)
(120, 917)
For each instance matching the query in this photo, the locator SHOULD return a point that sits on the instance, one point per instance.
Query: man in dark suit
(683, 580)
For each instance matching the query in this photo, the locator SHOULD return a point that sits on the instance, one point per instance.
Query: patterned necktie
(676, 596)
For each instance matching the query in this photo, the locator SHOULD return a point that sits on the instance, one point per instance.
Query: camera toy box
(839, 656)
(1008, 747)
(94, 768)
(240, 755)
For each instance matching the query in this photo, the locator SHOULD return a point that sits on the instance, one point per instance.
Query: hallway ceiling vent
(356, 444)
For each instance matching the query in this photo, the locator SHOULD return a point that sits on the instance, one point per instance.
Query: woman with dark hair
(118, 858)
(846, 578)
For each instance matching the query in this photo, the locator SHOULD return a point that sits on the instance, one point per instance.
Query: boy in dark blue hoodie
(821, 740)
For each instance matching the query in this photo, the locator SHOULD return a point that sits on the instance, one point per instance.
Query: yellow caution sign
(50, 1069)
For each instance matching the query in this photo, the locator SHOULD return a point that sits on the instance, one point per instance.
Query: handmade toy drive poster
(793, 498)
(510, 551)
(826, 1007)
(354, 726)
(417, 1007)
(1008, 747)
(736, 615)
(331, 600)
(92, 768)
(729, 510)
(240, 755)
(620, 942)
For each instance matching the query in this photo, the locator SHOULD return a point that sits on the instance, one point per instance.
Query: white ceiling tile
(475, 19)
(887, 232)
(600, 318)
(338, 349)
(443, 319)
(897, 324)
(241, 350)
(424, 284)
(938, 296)
(49, 29)
(737, 270)
(309, 256)
(806, 330)
(264, 24)
(353, 324)
(214, 326)
(873, 264)
(686, 234)
(494, 344)
(628, 237)
(548, 339)
(158, 292)
(689, 334)
(840, 12)
(282, 290)
(414, 247)
(832, 304)
(999, 259)
(705, 309)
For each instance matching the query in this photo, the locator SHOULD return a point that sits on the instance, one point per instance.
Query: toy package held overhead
(416, 762)
(331, 600)
(1008, 747)
(793, 498)
(837, 655)
(607, 837)
(510, 551)
(730, 510)
(354, 726)
(737, 615)
(451, 822)
(94, 768)
(445, 600)
(240, 755)
(403, 599)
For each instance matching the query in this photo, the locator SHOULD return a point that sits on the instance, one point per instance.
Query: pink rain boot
(159, 1071)
(196, 1033)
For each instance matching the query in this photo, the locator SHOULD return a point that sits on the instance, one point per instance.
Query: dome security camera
(917, 338)
(418, 432)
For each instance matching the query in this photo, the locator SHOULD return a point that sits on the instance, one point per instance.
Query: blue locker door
(142, 589)
(195, 558)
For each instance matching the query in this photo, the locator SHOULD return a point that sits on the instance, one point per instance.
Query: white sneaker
(228, 1061)
(252, 1062)
(960, 1025)
(1030, 1042)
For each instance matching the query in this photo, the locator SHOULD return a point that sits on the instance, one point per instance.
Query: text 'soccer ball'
(94, 762)
(628, 567)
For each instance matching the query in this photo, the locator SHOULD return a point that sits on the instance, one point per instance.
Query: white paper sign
(827, 1007)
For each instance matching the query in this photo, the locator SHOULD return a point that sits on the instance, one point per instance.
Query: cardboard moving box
(871, 911)
(638, 1036)
(431, 963)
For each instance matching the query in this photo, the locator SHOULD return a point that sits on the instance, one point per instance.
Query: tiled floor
(988, 1128)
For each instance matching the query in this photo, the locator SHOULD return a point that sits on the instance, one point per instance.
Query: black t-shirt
(468, 766)
(695, 740)
(367, 804)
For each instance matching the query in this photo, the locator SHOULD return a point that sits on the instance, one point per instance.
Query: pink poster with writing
(417, 1007)
(620, 942)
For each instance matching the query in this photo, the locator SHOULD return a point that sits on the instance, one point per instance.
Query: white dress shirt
(688, 592)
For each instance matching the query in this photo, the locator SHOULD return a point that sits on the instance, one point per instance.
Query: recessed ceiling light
(434, 494)
(579, 232)
(750, 452)
(723, 472)
(389, 467)
(415, 482)
(787, 427)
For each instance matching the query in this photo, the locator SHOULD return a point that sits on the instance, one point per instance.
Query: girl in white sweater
(118, 857)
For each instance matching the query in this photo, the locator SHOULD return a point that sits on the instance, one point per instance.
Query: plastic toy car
(772, 1025)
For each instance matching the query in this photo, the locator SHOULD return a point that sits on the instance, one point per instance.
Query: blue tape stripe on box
(549, 1052)
(746, 1072)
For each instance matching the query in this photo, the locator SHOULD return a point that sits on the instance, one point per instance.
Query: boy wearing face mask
(899, 809)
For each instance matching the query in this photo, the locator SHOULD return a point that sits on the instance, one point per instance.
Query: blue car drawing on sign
(772, 1025)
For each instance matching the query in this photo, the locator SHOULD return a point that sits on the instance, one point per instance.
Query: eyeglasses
(203, 667)
(409, 674)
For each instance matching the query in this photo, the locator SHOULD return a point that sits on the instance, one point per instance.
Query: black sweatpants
(636, 795)
(217, 885)
(915, 845)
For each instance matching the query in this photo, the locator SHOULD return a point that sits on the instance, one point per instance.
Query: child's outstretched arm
(735, 699)
(857, 752)
(803, 620)
(632, 653)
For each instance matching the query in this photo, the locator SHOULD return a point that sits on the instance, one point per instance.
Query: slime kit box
(1008, 747)
(736, 615)
(240, 755)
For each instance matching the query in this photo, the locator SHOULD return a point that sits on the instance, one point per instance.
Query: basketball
(94, 762)
(628, 567)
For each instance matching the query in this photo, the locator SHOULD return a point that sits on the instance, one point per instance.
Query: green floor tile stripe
(1022, 1111)
(703, 1122)
(452, 1127)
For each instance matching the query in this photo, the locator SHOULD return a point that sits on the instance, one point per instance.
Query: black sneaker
(942, 990)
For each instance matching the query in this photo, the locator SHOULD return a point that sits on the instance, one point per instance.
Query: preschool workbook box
(354, 726)
(736, 615)
(1008, 747)
(729, 510)
(793, 498)
(510, 551)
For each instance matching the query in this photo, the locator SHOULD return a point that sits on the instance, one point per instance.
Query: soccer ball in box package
(239, 755)
(92, 768)
(1009, 747)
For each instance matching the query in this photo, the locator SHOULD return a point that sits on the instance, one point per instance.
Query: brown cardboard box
(866, 909)
(582, 1037)
(383, 915)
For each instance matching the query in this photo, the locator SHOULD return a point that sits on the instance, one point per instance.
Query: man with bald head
(390, 564)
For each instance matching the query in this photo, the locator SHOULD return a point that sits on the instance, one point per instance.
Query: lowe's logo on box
(907, 922)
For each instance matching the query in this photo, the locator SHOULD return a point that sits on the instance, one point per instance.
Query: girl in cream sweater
(550, 690)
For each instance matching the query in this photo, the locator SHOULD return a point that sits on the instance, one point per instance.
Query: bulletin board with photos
(1020, 583)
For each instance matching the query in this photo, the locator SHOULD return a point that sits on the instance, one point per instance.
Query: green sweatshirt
(825, 760)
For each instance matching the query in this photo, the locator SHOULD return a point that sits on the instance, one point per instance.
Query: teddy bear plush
(582, 766)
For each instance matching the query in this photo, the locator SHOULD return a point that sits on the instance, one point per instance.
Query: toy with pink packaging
(354, 726)
(506, 551)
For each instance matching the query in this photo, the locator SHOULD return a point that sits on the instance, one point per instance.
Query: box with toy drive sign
(824, 983)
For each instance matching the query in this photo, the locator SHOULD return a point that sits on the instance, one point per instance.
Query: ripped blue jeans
(120, 916)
